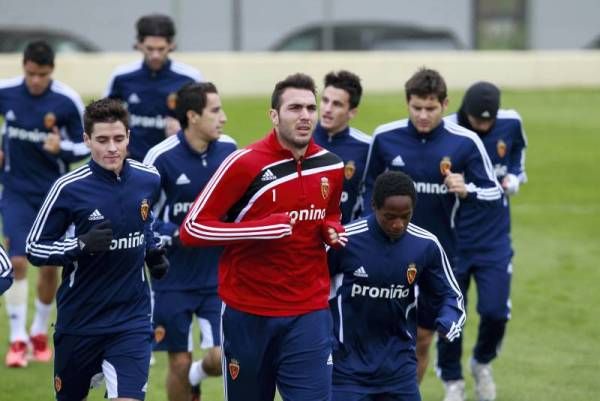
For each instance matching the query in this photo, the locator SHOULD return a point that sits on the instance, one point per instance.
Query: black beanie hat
(482, 100)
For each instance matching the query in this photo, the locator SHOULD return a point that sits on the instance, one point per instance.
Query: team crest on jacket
(501, 148)
(57, 383)
(144, 209)
(172, 101)
(234, 369)
(159, 333)
(349, 169)
(49, 120)
(411, 273)
(324, 187)
(445, 165)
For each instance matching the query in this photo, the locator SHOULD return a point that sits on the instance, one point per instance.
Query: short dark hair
(39, 52)
(104, 111)
(155, 25)
(426, 82)
(347, 81)
(192, 96)
(296, 81)
(393, 183)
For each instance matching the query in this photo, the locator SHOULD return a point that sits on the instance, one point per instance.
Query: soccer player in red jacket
(274, 205)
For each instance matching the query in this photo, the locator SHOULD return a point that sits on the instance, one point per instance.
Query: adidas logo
(96, 215)
(330, 360)
(268, 176)
(182, 180)
(398, 162)
(360, 272)
(10, 116)
(133, 98)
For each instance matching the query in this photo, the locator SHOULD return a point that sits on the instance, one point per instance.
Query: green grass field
(553, 341)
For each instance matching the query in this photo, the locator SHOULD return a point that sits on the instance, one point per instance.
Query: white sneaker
(485, 388)
(194, 373)
(455, 390)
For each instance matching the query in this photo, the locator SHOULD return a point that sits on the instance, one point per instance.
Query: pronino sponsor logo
(360, 272)
(35, 136)
(182, 179)
(96, 215)
(132, 240)
(431, 188)
(10, 116)
(268, 176)
(158, 122)
(308, 214)
(398, 161)
(391, 292)
(181, 207)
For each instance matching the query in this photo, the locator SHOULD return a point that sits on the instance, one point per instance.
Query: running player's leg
(125, 365)
(249, 348)
(305, 361)
(77, 363)
(209, 320)
(172, 317)
(16, 216)
(493, 305)
(450, 353)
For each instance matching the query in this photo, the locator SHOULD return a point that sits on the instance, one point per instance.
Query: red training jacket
(267, 268)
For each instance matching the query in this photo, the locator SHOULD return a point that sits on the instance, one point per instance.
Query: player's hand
(456, 184)
(157, 262)
(334, 234)
(510, 184)
(172, 126)
(1, 158)
(52, 142)
(97, 239)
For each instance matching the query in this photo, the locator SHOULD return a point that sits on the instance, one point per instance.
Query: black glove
(157, 262)
(97, 239)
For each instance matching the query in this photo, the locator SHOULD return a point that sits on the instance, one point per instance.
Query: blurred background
(275, 25)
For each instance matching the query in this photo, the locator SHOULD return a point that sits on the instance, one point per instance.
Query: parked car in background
(14, 40)
(353, 36)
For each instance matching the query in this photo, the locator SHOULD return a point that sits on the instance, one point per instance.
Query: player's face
(481, 125)
(426, 112)
(108, 145)
(395, 214)
(156, 51)
(335, 109)
(296, 118)
(37, 77)
(209, 125)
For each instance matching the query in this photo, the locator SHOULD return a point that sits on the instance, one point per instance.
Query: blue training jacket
(29, 169)
(483, 233)
(398, 146)
(374, 301)
(184, 173)
(107, 292)
(352, 146)
(149, 97)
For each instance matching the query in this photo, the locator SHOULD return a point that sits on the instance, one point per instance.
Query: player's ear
(353, 112)
(192, 116)
(274, 116)
(86, 139)
(445, 104)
